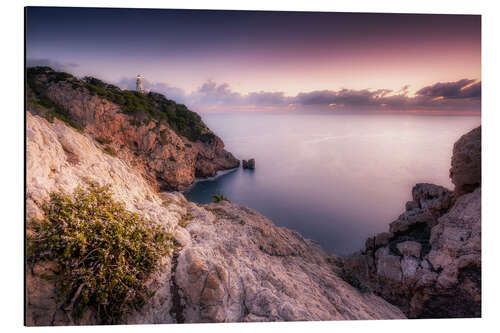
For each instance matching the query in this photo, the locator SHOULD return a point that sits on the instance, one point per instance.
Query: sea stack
(250, 164)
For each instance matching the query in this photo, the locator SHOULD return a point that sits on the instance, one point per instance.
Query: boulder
(409, 266)
(383, 238)
(410, 248)
(432, 198)
(410, 219)
(465, 170)
(429, 202)
(458, 232)
(411, 205)
(389, 267)
(370, 244)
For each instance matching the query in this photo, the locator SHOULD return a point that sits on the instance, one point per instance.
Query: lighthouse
(138, 84)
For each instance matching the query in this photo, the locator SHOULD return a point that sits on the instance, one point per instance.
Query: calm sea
(336, 179)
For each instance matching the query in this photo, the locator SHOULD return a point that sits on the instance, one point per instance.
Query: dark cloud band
(464, 88)
(460, 95)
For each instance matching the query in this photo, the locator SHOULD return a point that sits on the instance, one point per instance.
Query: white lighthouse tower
(138, 84)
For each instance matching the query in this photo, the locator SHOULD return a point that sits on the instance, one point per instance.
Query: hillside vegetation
(145, 107)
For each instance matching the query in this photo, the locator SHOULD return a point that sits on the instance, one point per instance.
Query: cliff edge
(167, 143)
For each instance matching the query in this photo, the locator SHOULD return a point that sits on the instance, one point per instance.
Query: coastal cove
(321, 174)
(225, 262)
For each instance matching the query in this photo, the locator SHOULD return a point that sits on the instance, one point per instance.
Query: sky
(256, 61)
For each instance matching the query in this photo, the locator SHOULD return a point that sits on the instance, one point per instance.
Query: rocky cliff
(168, 144)
(429, 262)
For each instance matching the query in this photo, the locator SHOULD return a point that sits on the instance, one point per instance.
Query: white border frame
(11, 106)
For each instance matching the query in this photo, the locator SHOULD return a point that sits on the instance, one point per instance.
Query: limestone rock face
(410, 248)
(383, 238)
(465, 170)
(241, 267)
(428, 272)
(429, 265)
(167, 160)
(458, 233)
(232, 264)
(60, 158)
(429, 202)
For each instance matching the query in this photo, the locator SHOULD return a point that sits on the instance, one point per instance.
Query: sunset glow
(210, 59)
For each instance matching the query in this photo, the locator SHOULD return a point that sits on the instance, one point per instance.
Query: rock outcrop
(250, 164)
(241, 267)
(429, 263)
(465, 172)
(169, 159)
(232, 264)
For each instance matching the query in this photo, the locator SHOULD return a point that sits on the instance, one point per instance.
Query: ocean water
(336, 179)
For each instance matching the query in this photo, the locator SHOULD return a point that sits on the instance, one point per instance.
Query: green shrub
(103, 140)
(163, 137)
(135, 122)
(108, 150)
(61, 76)
(185, 219)
(52, 109)
(52, 75)
(104, 252)
(219, 198)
